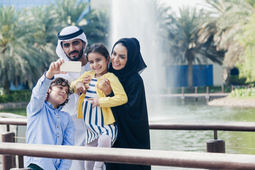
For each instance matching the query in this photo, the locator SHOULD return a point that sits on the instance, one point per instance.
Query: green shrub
(16, 96)
(243, 92)
(236, 80)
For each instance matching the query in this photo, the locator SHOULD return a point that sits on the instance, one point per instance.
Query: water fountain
(131, 18)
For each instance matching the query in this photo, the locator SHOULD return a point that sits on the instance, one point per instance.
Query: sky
(175, 4)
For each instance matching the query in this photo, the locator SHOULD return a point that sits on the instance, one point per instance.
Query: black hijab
(135, 63)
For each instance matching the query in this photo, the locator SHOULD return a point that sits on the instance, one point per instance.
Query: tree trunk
(190, 74)
(227, 76)
(6, 87)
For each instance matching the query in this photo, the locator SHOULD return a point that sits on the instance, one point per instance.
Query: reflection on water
(165, 109)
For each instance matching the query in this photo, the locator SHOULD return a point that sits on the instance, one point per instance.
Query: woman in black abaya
(132, 117)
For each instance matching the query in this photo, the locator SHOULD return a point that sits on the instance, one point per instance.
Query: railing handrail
(13, 121)
(134, 156)
(225, 126)
(154, 125)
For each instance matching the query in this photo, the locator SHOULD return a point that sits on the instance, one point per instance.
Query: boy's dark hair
(98, 48)
(62, 82)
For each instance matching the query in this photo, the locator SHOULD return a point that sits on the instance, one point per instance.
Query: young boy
(46, 123)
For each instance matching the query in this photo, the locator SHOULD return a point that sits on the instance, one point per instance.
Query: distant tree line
(223, 32)
(28, 37)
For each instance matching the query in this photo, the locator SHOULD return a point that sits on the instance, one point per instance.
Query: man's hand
(81, 88)
(55, 69)
(105, 86)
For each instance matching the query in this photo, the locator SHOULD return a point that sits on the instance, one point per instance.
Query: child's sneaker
(98, 168)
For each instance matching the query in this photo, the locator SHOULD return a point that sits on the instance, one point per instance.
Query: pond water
(165, 109)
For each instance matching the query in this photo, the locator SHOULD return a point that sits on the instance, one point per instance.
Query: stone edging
(232, 102)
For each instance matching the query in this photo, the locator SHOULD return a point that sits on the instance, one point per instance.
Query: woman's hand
(95, 102)
(81, 88)
(105, 86)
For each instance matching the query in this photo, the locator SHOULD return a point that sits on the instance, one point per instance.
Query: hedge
(16, 96)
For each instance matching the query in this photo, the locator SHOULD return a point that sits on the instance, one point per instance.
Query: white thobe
(71, 108)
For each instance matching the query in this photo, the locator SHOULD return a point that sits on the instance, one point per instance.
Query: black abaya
(132, 117)
(132, 122)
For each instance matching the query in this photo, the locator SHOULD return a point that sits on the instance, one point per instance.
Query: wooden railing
(215, 126)
(134, 156)
(145, 157)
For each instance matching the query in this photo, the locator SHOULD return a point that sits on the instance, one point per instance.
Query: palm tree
(95, 23)
(97, 30)
(69, 11)
(246, 63)
(46, 24)
(184, 44)
(225, 26)
(19, 59)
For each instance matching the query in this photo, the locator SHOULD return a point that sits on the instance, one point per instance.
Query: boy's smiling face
(57, 95)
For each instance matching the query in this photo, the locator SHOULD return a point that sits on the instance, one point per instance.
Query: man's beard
(76, 58)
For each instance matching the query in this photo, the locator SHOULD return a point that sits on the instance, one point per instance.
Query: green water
(164, 109)
(169, 110)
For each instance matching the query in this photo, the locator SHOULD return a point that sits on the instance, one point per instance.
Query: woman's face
(119, 57)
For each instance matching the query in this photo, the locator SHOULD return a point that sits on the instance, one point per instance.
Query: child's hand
(95, 102)
(81, 87)
(55, 69)
(87, 79)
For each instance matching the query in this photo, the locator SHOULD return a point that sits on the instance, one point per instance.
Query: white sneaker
(99, 168)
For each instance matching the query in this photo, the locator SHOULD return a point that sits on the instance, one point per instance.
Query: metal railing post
(207, 92)
(21, 161)
(8, 161)
(216, 145)
(196, 93)
(182, 97)
(8, 128)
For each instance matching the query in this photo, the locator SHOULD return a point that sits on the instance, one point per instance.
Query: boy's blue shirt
(46, 125)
